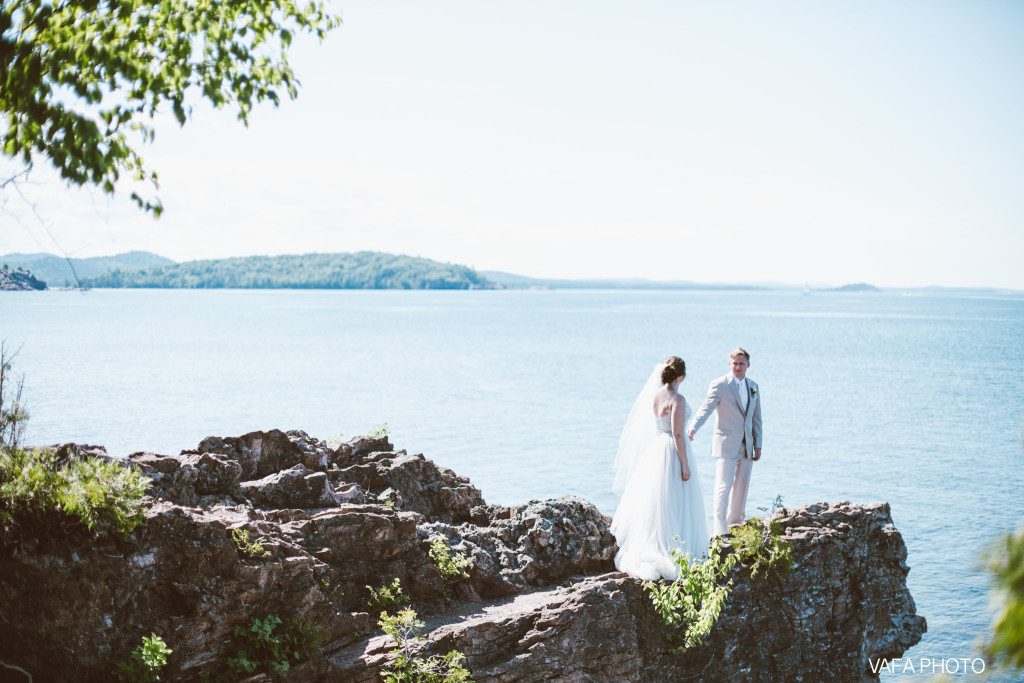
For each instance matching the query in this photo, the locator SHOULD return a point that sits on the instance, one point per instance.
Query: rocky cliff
(542, 600)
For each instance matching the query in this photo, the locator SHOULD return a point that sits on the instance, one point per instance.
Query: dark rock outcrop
(19, 280)
(411, 482)
(844, 604)
(541, 600)
(532, 545)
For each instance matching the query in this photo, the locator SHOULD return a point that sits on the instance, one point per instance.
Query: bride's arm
(678, 429)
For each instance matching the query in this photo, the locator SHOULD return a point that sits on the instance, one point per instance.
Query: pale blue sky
(821, 141)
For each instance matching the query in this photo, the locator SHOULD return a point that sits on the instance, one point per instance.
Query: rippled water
(915, 400)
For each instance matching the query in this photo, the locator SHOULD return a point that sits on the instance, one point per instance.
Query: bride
(661, 506)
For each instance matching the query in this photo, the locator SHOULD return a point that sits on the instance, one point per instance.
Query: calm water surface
(914, 400)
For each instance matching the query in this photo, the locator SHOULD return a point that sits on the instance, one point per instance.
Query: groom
(736, 443)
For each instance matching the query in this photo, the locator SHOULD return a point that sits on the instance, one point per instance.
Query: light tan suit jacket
(733, 426)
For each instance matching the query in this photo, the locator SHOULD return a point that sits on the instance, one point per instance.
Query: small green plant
(759, 544)
(257, 648)
(692, 603)
(452, 567)
(333, 592)
(386, 596)
(405, 629)
(336, 439)
(145, 662)
(390, 503)
(380, 430)
(250, 550)
(304, 637)
(695, 599)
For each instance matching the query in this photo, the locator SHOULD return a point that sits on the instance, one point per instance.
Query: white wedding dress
(659, 511)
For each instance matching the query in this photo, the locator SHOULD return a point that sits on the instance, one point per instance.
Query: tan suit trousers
(732, 476)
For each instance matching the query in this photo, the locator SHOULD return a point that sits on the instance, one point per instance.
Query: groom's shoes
(728, 534)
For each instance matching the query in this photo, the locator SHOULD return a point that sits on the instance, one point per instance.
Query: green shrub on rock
(451, 566)
(145, 662)
(759, 545)
(405, 629)
(105, 496)
(690, 605)
(693, 601)
(257, 649)
(261, 649)
(37, 490)
(386, 596)
(250, 550)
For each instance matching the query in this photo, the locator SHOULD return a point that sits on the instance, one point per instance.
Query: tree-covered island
(359, 270)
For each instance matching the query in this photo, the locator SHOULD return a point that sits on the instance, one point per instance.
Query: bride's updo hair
(674, 369)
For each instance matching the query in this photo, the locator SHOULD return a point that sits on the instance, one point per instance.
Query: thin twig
(18, 669)
(15, 181)
(16, 178)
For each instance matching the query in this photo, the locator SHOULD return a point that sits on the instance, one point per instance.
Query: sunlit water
(914, 400)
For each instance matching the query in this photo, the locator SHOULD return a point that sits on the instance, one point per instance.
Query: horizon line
(539, 280)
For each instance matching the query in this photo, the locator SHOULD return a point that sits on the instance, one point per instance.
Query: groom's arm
(706, 408)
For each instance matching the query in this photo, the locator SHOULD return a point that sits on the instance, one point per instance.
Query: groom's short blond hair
(739, 352)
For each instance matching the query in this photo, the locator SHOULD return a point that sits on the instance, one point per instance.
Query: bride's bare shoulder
(677, 401)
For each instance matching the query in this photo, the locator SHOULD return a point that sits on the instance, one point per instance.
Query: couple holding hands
(661, 506)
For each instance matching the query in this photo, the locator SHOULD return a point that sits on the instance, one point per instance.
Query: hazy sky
(822, 141)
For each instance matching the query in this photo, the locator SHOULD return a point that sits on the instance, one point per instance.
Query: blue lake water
(914, 400)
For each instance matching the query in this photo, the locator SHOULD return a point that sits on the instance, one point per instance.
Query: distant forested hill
(361, 270)
(858, 287)
(56, 272)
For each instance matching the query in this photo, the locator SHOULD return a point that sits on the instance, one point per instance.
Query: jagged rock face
(294, 487)
(845, 603)
(527, 612)
(89, 602)
(585, 632)
(412, 482)
(531, 545)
